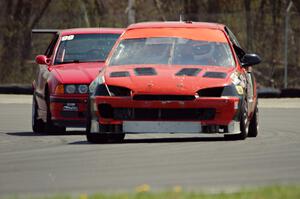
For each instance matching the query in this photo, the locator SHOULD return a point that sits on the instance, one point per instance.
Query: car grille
(164, 97)
(73, 114)
(156, 114)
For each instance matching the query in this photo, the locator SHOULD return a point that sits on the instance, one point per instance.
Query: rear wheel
(38, 126)
(253, 126)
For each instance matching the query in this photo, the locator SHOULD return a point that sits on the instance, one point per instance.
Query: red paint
(50, 75)
(42, 59)
(165, 82)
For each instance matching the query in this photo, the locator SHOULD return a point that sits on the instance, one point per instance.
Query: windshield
(85, 47)
(172, 51)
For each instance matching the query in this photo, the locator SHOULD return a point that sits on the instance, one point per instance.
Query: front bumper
(207, 115)
(69, 111)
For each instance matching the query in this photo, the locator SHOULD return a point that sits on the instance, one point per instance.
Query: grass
(143, 192)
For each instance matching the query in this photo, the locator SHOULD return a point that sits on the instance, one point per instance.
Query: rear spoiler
(45, 31)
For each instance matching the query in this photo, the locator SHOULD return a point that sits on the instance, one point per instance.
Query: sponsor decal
(67, 38)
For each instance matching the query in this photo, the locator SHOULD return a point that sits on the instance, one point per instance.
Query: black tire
(104, 135)
(253, 126)
(50, 127)
(244, 126)
(88, 117)
(116, 138)
(96, 138)
(38, 126)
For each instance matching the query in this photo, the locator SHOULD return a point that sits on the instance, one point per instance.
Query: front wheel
(49, 126)
(105, 134)
(253, 126)
(244, 126)
(105, 137)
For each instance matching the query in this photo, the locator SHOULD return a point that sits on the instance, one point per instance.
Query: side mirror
(250, 60)
(42, 59)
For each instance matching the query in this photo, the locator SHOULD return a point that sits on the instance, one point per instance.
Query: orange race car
(174, 77)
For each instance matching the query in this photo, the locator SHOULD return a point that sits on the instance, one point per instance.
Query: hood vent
(145, 71)
(219, 75)
(188, 72)
(120, 74)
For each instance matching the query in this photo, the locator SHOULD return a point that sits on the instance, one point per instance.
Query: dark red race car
(174, 77)
(72, 60)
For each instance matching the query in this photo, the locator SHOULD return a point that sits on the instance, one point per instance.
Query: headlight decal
(101, 90)
(98, 81)
(230, 90)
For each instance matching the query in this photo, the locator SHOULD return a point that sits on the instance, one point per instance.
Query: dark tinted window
(237, 47)
(51, 46)
(85, 47)
(172, 51)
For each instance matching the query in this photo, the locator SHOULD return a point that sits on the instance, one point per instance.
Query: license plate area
(161, 127)
(70, 107)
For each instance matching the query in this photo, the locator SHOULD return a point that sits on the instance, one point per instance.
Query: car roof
(190, 30)
(176, 24)
(91, 31)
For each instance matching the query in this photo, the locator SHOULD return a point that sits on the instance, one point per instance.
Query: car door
(43, 74)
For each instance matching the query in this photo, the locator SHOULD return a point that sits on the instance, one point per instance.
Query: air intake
(120, 74)
(188, 72)
(144, 71)
(219, 75)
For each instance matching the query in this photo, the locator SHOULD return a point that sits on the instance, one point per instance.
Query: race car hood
(168, 79)
(78, 73)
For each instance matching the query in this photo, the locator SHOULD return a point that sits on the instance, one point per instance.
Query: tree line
(258, 24)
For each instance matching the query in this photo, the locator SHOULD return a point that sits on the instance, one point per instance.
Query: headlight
(226, 91)
(233, 90)
(92, 86)
(119, 91)
(100, 79)
(83, 89)
(70, 89)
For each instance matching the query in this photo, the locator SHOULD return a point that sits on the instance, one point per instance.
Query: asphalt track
(46, 164)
